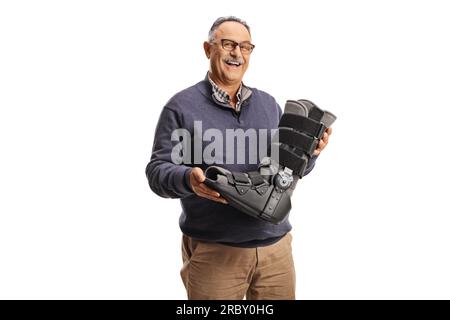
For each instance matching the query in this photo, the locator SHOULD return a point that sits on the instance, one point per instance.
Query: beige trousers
(216, 271)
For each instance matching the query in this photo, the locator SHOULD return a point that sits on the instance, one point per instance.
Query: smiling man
(228, 49)
(226, 254)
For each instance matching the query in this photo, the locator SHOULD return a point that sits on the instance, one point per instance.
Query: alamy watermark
(212, 147)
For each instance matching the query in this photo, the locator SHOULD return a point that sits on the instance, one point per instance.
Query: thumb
(198, 175)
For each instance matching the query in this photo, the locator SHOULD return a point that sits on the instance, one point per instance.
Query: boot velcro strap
(230, 178)
(240, 178)
(241, 182)
(302, 124)
(256, 178)
(298, 140)
(258, 182)
(292, 160)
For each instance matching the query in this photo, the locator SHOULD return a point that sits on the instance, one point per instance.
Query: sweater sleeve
(165, 178)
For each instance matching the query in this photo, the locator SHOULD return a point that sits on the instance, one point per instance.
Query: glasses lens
(246, 47)
(228, 44)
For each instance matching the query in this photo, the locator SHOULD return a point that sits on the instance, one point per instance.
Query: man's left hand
(323, 142)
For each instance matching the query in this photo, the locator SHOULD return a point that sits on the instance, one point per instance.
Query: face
(228, 67)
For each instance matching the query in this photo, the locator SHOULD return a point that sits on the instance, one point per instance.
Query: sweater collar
(222, 98)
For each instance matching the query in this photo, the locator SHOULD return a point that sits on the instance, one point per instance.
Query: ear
(207, 48)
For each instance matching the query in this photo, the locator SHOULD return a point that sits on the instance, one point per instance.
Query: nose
(236, 52)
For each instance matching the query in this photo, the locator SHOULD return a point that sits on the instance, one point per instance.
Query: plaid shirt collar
(223, 98)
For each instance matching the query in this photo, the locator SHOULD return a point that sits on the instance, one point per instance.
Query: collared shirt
(223, 98)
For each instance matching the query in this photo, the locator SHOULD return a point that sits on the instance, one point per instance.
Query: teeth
(234, 63)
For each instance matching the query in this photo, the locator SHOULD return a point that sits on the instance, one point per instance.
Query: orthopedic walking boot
(266, 193)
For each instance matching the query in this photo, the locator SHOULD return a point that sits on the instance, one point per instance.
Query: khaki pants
(216, 271)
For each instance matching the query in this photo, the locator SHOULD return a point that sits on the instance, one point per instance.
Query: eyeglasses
(229, 45)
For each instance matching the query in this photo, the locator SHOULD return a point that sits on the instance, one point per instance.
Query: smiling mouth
(233, 63)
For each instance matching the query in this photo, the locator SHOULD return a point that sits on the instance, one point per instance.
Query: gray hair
(221, 20)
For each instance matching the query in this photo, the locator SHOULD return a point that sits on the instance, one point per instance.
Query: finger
(329, 130)
(198, 175)
(222, 200)
(319, 148)
(321, 145)
(204, 191)
(207, 196)
(207, 190)
(325, 137)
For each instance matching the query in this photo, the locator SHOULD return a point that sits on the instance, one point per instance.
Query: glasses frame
(236, 44)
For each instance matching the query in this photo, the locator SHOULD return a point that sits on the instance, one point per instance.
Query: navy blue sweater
(201, 218)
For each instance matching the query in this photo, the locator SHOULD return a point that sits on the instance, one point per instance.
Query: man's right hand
(196, 178)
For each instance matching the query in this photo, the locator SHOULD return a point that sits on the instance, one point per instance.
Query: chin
(234, 76)
(234, 79)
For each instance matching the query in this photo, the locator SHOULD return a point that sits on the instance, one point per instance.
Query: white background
(82, 84)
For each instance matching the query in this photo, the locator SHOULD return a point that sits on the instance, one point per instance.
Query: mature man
(226, 253)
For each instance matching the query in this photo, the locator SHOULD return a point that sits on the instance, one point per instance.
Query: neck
(230, 88)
